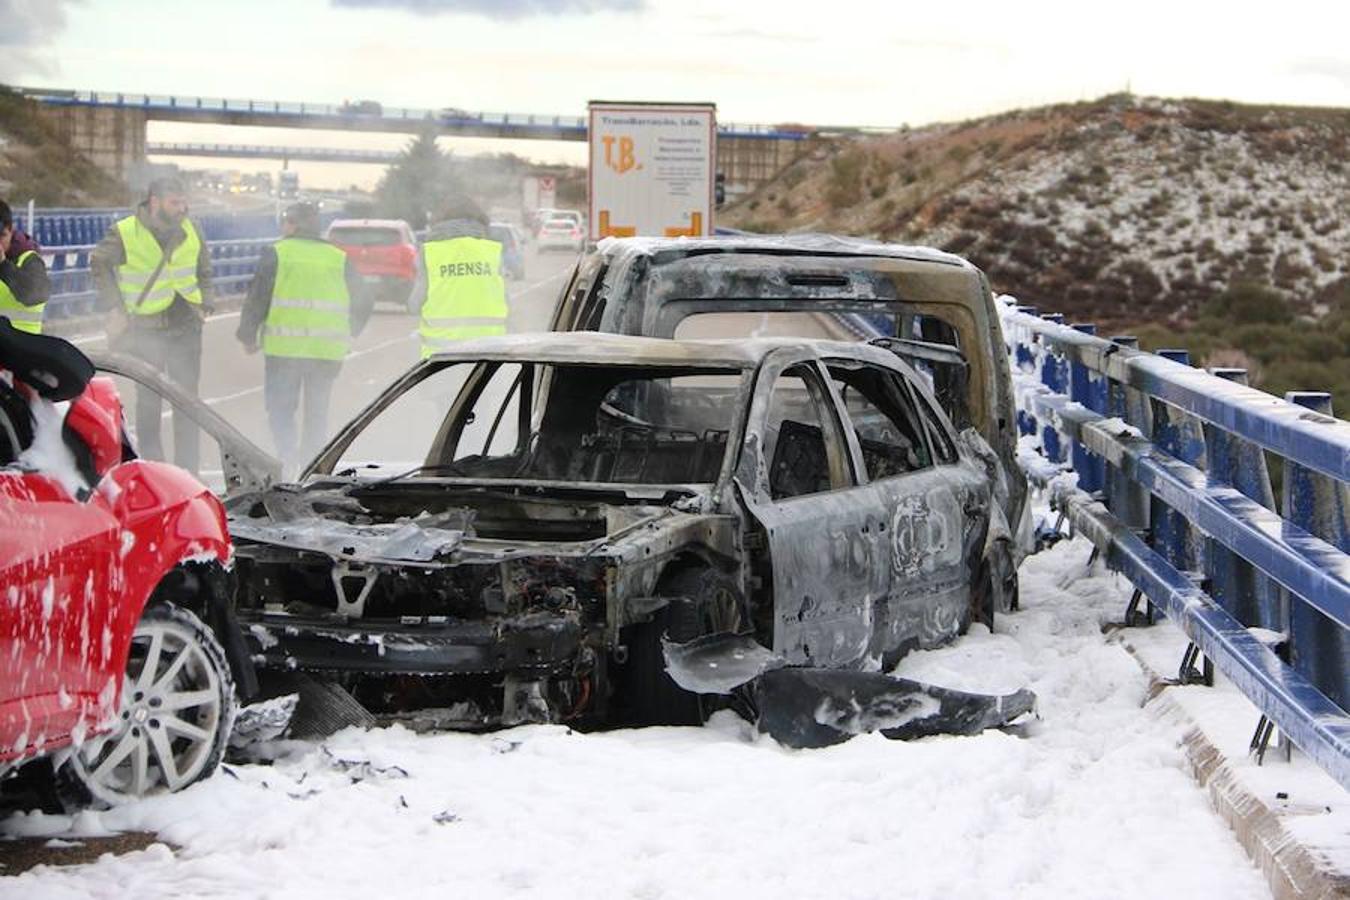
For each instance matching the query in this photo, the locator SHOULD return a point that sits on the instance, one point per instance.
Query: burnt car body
(918, 299)
(512, 528)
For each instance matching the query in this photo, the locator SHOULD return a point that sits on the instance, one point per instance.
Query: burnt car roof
(590, 347)
(788, 245)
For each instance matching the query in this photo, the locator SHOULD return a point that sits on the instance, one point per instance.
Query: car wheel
(172, 722)
(646, 694)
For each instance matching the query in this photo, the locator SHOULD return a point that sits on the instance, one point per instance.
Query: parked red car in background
(110, 569)
(384, 252)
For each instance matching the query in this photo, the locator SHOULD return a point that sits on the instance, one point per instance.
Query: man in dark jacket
(24, 286)
(304, 305)
(152, 271)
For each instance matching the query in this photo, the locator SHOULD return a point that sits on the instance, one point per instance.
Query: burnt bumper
(540, 644)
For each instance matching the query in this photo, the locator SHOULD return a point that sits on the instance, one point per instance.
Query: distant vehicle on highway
(513, 249)
(454, 112)
(384, 252)
(288, 185)
(361, 108)
(562, 233)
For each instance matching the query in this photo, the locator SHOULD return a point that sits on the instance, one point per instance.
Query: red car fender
(169, 518)
(96, 416)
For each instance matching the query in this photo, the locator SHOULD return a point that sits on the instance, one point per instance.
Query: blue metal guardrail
(74, 294)
(1164, 467)
(70, 228)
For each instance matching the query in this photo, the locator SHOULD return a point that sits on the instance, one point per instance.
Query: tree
(420, 183)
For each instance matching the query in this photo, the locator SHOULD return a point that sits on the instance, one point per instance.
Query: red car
(384, 252)
(111, 568)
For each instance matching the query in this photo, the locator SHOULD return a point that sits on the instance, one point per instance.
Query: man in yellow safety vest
(306, 301)
(153, 275)
(24, 286)
(459, 286)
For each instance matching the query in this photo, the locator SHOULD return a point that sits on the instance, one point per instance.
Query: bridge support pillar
(749, 162)
(112, 138)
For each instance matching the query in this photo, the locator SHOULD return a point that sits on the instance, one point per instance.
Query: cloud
(1335, 69)
(28, 28)
(755, 34)
(497, 9)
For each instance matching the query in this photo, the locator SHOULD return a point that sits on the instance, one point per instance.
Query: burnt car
(536, 528)
(933, 308)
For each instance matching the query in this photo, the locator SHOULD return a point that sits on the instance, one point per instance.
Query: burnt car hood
(419, 524)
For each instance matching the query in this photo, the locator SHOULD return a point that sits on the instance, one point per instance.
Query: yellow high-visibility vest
(24, 318)
(310, 313)
(179, 275)
(466, 296)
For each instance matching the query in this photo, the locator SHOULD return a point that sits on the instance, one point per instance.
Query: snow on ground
(1094, 800)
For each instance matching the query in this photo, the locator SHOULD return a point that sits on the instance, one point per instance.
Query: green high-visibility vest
(24, 318)
(466, 297)
(179, 275)
(310, 314)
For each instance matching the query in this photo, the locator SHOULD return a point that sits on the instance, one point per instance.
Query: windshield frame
(532, 390)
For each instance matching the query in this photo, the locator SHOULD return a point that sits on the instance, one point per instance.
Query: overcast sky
(850, 62)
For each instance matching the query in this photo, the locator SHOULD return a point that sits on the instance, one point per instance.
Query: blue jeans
(284, 379)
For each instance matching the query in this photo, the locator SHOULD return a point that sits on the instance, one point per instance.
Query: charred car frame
(511, 530)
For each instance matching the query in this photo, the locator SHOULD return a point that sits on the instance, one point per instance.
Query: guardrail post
(1180, 435)
(1024, 359)
(1321, 505)
(1252, 598)
(1089, 391)
(1127, 501)
(1055, 376)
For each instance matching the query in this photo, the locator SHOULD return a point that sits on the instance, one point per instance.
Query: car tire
(173, 719)
(704, 601)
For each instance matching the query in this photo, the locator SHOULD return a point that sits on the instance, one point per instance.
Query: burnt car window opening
(631, 426)
(587, 423)
(801, 441)
(889, 429)
(943, 448)
(931, 329)
(491, 426)
(400, 434)
(752, 323)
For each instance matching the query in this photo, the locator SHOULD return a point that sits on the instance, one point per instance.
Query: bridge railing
(74, 293)
(65, 229)
(374, 111)
(1166, 468)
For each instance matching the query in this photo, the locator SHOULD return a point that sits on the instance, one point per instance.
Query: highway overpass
(110, 127)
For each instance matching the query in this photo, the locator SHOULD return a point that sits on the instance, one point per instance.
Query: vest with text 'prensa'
(466, 296)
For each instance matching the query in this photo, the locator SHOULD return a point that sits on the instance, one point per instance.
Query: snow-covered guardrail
(1164, 467)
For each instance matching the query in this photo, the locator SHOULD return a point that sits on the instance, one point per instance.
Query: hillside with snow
(1123, 210)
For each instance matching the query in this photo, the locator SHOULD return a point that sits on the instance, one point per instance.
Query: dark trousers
(177, 352)
(284, 380)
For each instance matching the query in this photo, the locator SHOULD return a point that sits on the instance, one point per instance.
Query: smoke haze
(498, 9)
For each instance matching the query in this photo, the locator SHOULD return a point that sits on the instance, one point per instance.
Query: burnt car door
(244, 466)
(822, 529)
(936, 505)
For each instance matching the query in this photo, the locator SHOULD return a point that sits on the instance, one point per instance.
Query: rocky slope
(1123, 211)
